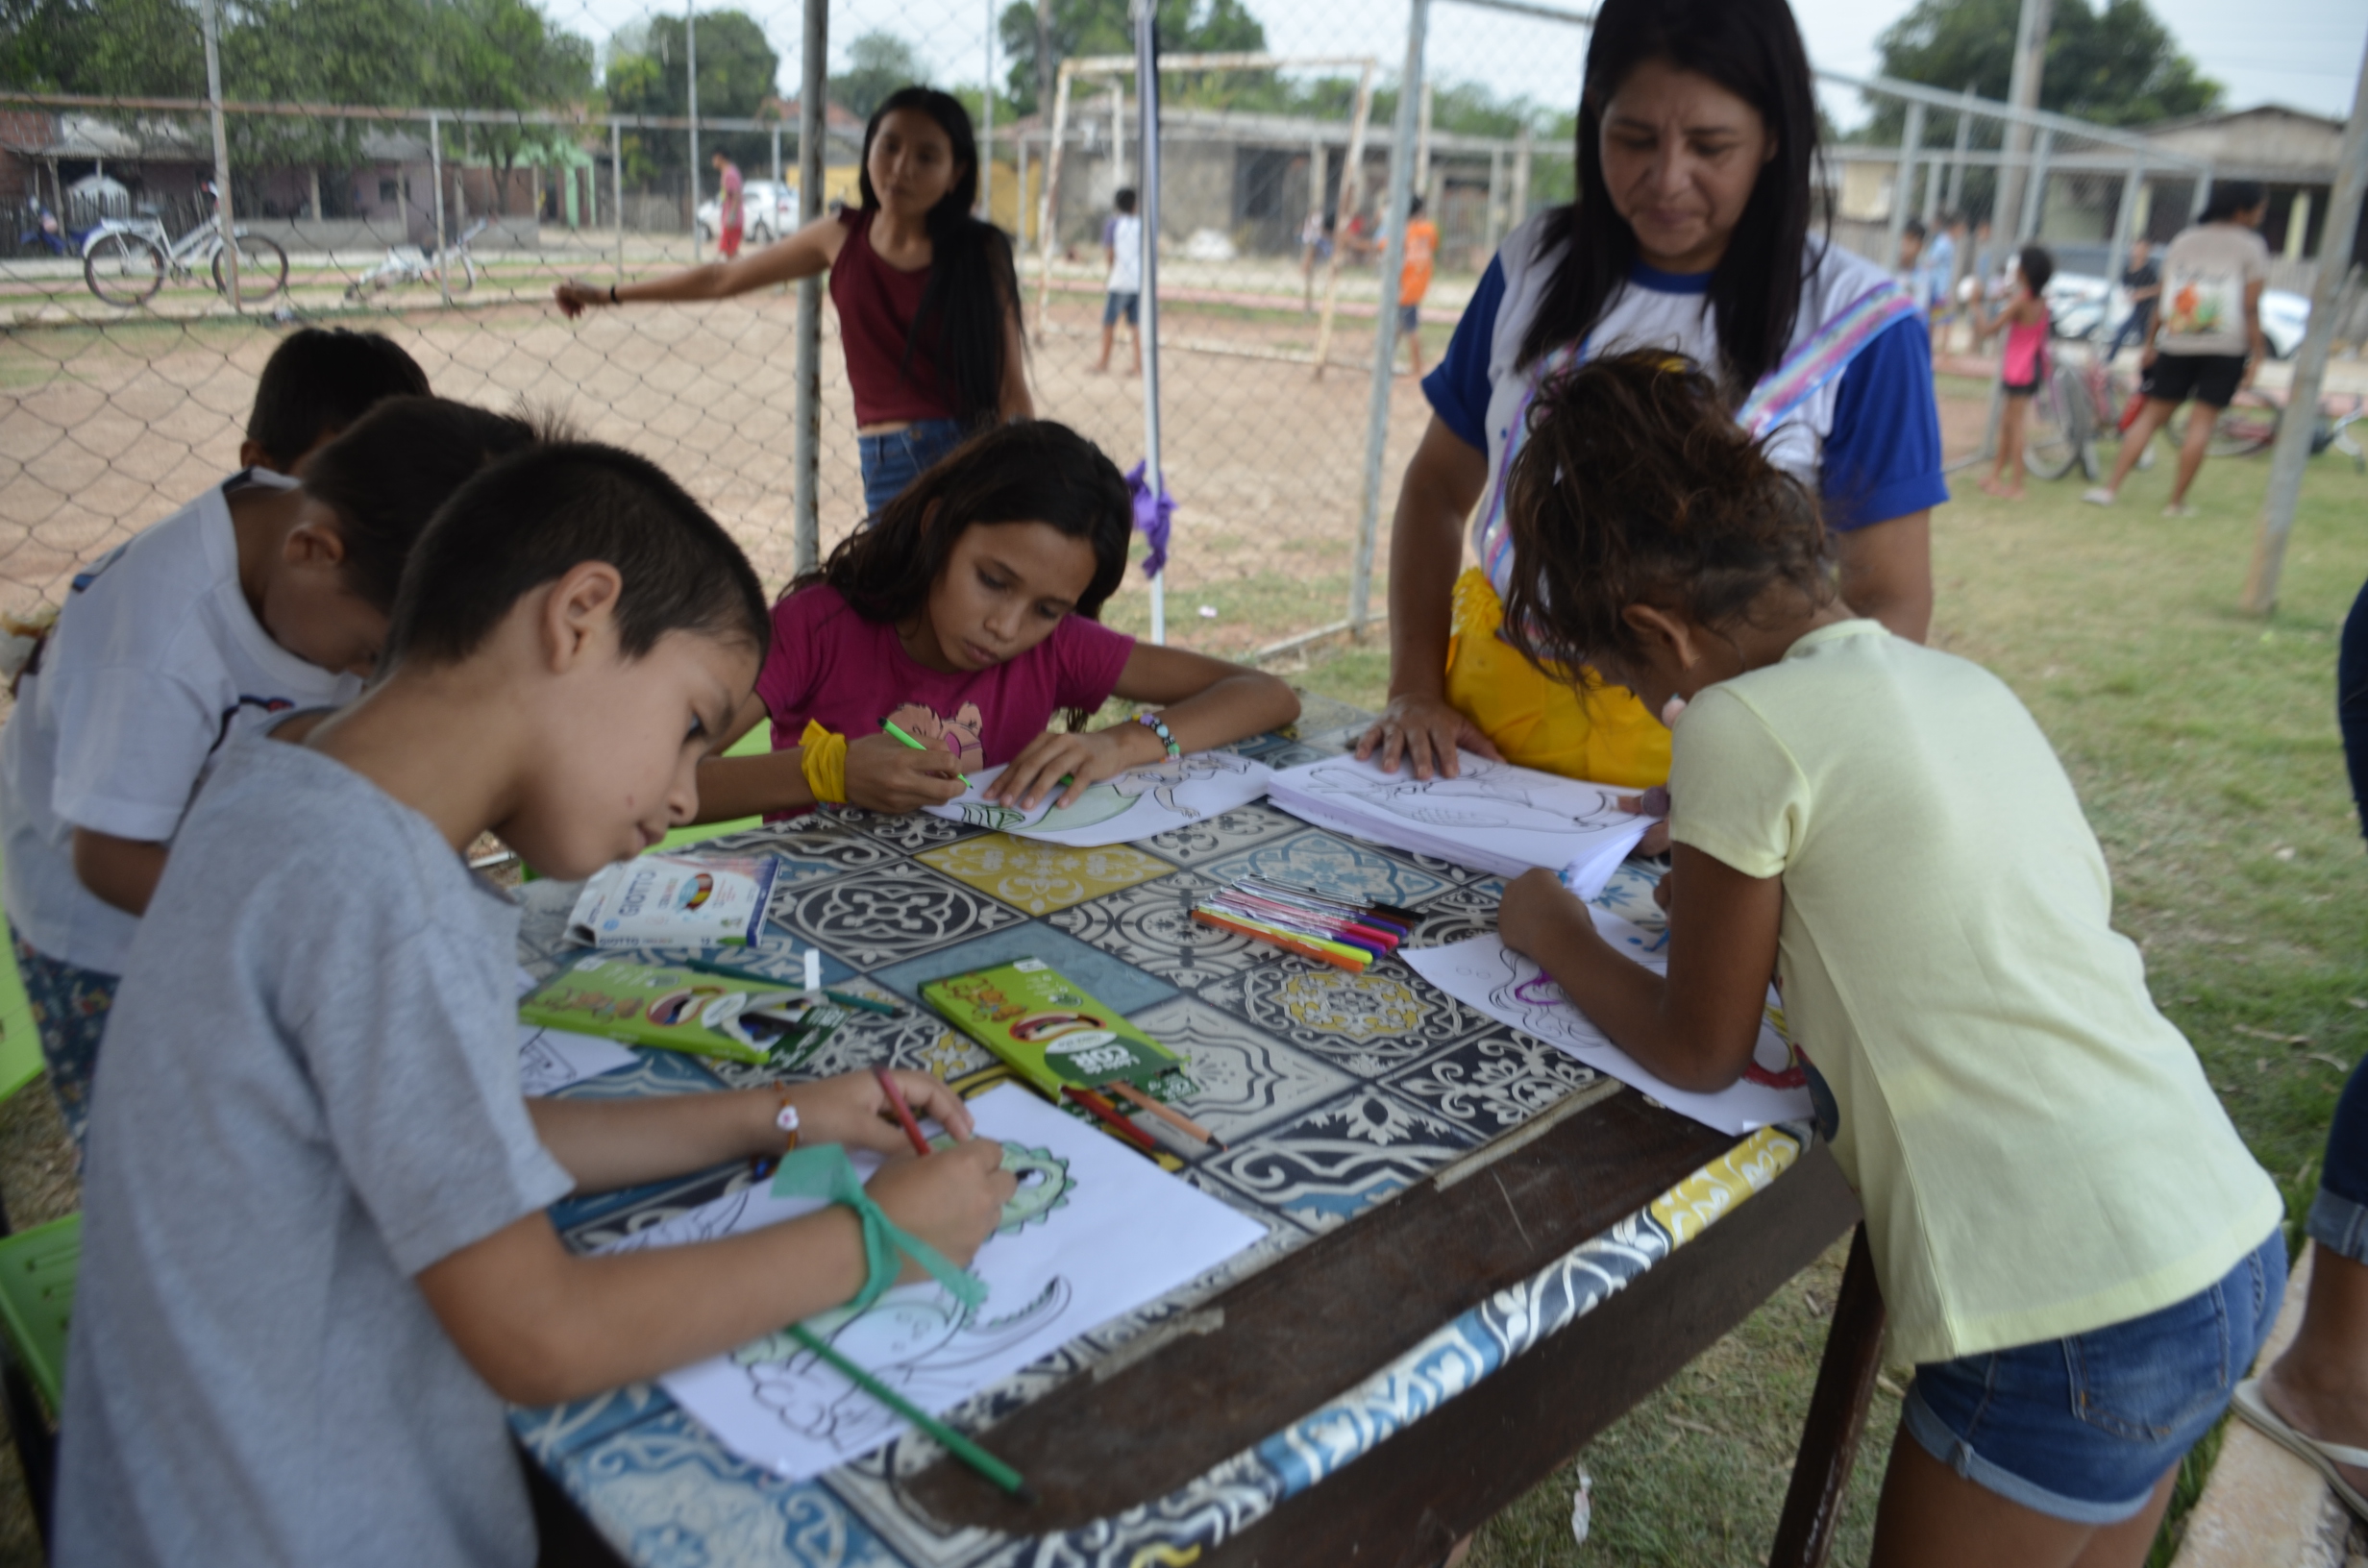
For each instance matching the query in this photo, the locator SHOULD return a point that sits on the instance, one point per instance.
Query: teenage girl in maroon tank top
(927, 297)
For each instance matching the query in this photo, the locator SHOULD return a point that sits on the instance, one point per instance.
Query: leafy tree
(879, 63)
(1102, 27)
(2118, 66)
(647, 75)
(504, 53)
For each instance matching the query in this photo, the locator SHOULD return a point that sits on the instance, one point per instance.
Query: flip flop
(2320, 1456)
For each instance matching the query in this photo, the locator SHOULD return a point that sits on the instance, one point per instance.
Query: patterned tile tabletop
(1332, 1091)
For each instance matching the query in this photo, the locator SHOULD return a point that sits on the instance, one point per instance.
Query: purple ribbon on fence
(1153, 516)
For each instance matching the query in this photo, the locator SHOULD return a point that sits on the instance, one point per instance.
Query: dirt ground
(105, 428)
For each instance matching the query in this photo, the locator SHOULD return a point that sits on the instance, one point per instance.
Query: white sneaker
(2178, 508)
(2098, 496)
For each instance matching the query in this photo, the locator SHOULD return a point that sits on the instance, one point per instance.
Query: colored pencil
(946, 1437)
(1303, 948)
(1394, 912)
(904, 1113)
(1107, 1113)
(1331, 925)
(1317, 906)
(1298, 926)
(889, 725)
(1181, 1123)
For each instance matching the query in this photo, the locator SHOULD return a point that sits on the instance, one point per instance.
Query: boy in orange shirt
(1414, 279)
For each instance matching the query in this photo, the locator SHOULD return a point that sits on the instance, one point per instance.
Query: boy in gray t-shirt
(315, 1261)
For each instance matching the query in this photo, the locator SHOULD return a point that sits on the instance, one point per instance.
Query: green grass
(2204, 744)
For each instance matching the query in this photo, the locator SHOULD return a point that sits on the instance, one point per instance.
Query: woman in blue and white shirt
(1696, 138)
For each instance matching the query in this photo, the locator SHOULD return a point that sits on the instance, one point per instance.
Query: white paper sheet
(1098, 1230)
(1122, 809)
(1494, 817)
(1486, 974)
(549, 1059)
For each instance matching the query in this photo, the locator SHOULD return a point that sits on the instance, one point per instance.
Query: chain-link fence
(126, 372)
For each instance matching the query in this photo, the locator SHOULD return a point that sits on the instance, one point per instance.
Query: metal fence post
(222, 216)
(2299, 424)
(1410, 90)
(812, 63)
(1046, 213)
(616, 187)
(1352, 197)
(1146, 200)
(2125, 215)
(776, 152)
(1957, 164)
(1911, 137)
(1493, 227)
(2034, 192)
(1521, 149)
(986, 126)
(435, 167)
(690, 51)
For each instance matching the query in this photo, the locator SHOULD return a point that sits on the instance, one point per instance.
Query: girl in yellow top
(2075, 1248)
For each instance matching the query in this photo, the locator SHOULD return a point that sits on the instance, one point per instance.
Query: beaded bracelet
(1159, 728)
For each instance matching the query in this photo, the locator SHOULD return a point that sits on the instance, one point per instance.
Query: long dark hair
(1035, 470)
(973, 287)
(2228, 198)
(1753, 49)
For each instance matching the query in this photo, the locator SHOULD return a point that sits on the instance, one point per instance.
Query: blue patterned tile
(1459, 915)
(1343, 1156)
(890, 914)
(1223, 834)
(1332, 865)
(555, 1431)
(1248, 1080)
(1495, 1081)
(1151, 926)
(667, 1495)
(1368, 1024)
(1118, 983)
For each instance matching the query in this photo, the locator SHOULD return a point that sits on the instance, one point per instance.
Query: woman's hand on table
(952, 1200)
(853, 1110)
(1425, 731)
(1538, 911)
(885, 774)
(1083, 760)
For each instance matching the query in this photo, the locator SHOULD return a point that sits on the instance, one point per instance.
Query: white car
(2083, 307)
(768, 210)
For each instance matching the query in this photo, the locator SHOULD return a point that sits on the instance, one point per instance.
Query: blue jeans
(2083, 1428)
(894, 461)
(2132, 329)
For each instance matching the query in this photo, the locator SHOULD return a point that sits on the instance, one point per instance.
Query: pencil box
(680, 1010)
(1048, 1028)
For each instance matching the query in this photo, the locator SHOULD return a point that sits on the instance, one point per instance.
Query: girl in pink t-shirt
(2020, 366)
(966, 616)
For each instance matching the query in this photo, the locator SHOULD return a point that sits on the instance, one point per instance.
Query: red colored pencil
(904, 1113)
(1109, 1113)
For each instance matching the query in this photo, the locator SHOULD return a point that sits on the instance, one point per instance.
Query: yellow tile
(1043, 877)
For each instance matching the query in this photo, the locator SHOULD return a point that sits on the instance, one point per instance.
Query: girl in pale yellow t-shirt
(2073, 1246)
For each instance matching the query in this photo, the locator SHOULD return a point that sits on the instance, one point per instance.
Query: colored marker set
(1344, 933)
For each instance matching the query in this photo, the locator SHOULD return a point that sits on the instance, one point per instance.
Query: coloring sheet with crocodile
(1125, 808)
(1095, 1231)
(1486, 974)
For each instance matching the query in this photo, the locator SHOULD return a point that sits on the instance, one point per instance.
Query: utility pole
(2297, 424)
(2022, 93)
(1043, 59)
(690, 50)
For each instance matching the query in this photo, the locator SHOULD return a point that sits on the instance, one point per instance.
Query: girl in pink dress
(2020, 367)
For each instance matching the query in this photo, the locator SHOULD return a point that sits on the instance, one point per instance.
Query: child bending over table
(315, 1259)
(966, 614)
(2076, 1252)
(260, 596)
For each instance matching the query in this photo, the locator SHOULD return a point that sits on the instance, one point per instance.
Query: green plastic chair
(38, 1268)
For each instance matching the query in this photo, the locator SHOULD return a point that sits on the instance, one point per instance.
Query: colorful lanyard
(1825, 354)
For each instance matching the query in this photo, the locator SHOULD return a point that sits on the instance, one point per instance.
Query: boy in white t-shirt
(262, 596)
(1121, 246)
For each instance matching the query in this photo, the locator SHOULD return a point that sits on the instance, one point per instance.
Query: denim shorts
(896, 459)
(1127, 302)
(2082, 1428)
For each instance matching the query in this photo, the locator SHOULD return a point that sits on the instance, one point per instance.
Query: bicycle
(2249, 423)
(125, 261)
(2077, 402)
(414, 265)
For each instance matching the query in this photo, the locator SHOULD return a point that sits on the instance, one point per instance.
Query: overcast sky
(2305, 53)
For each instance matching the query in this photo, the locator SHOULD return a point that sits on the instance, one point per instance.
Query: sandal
(2320, 1456)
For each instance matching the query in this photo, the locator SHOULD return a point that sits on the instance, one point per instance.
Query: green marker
(946, 1437)
(889, 725)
